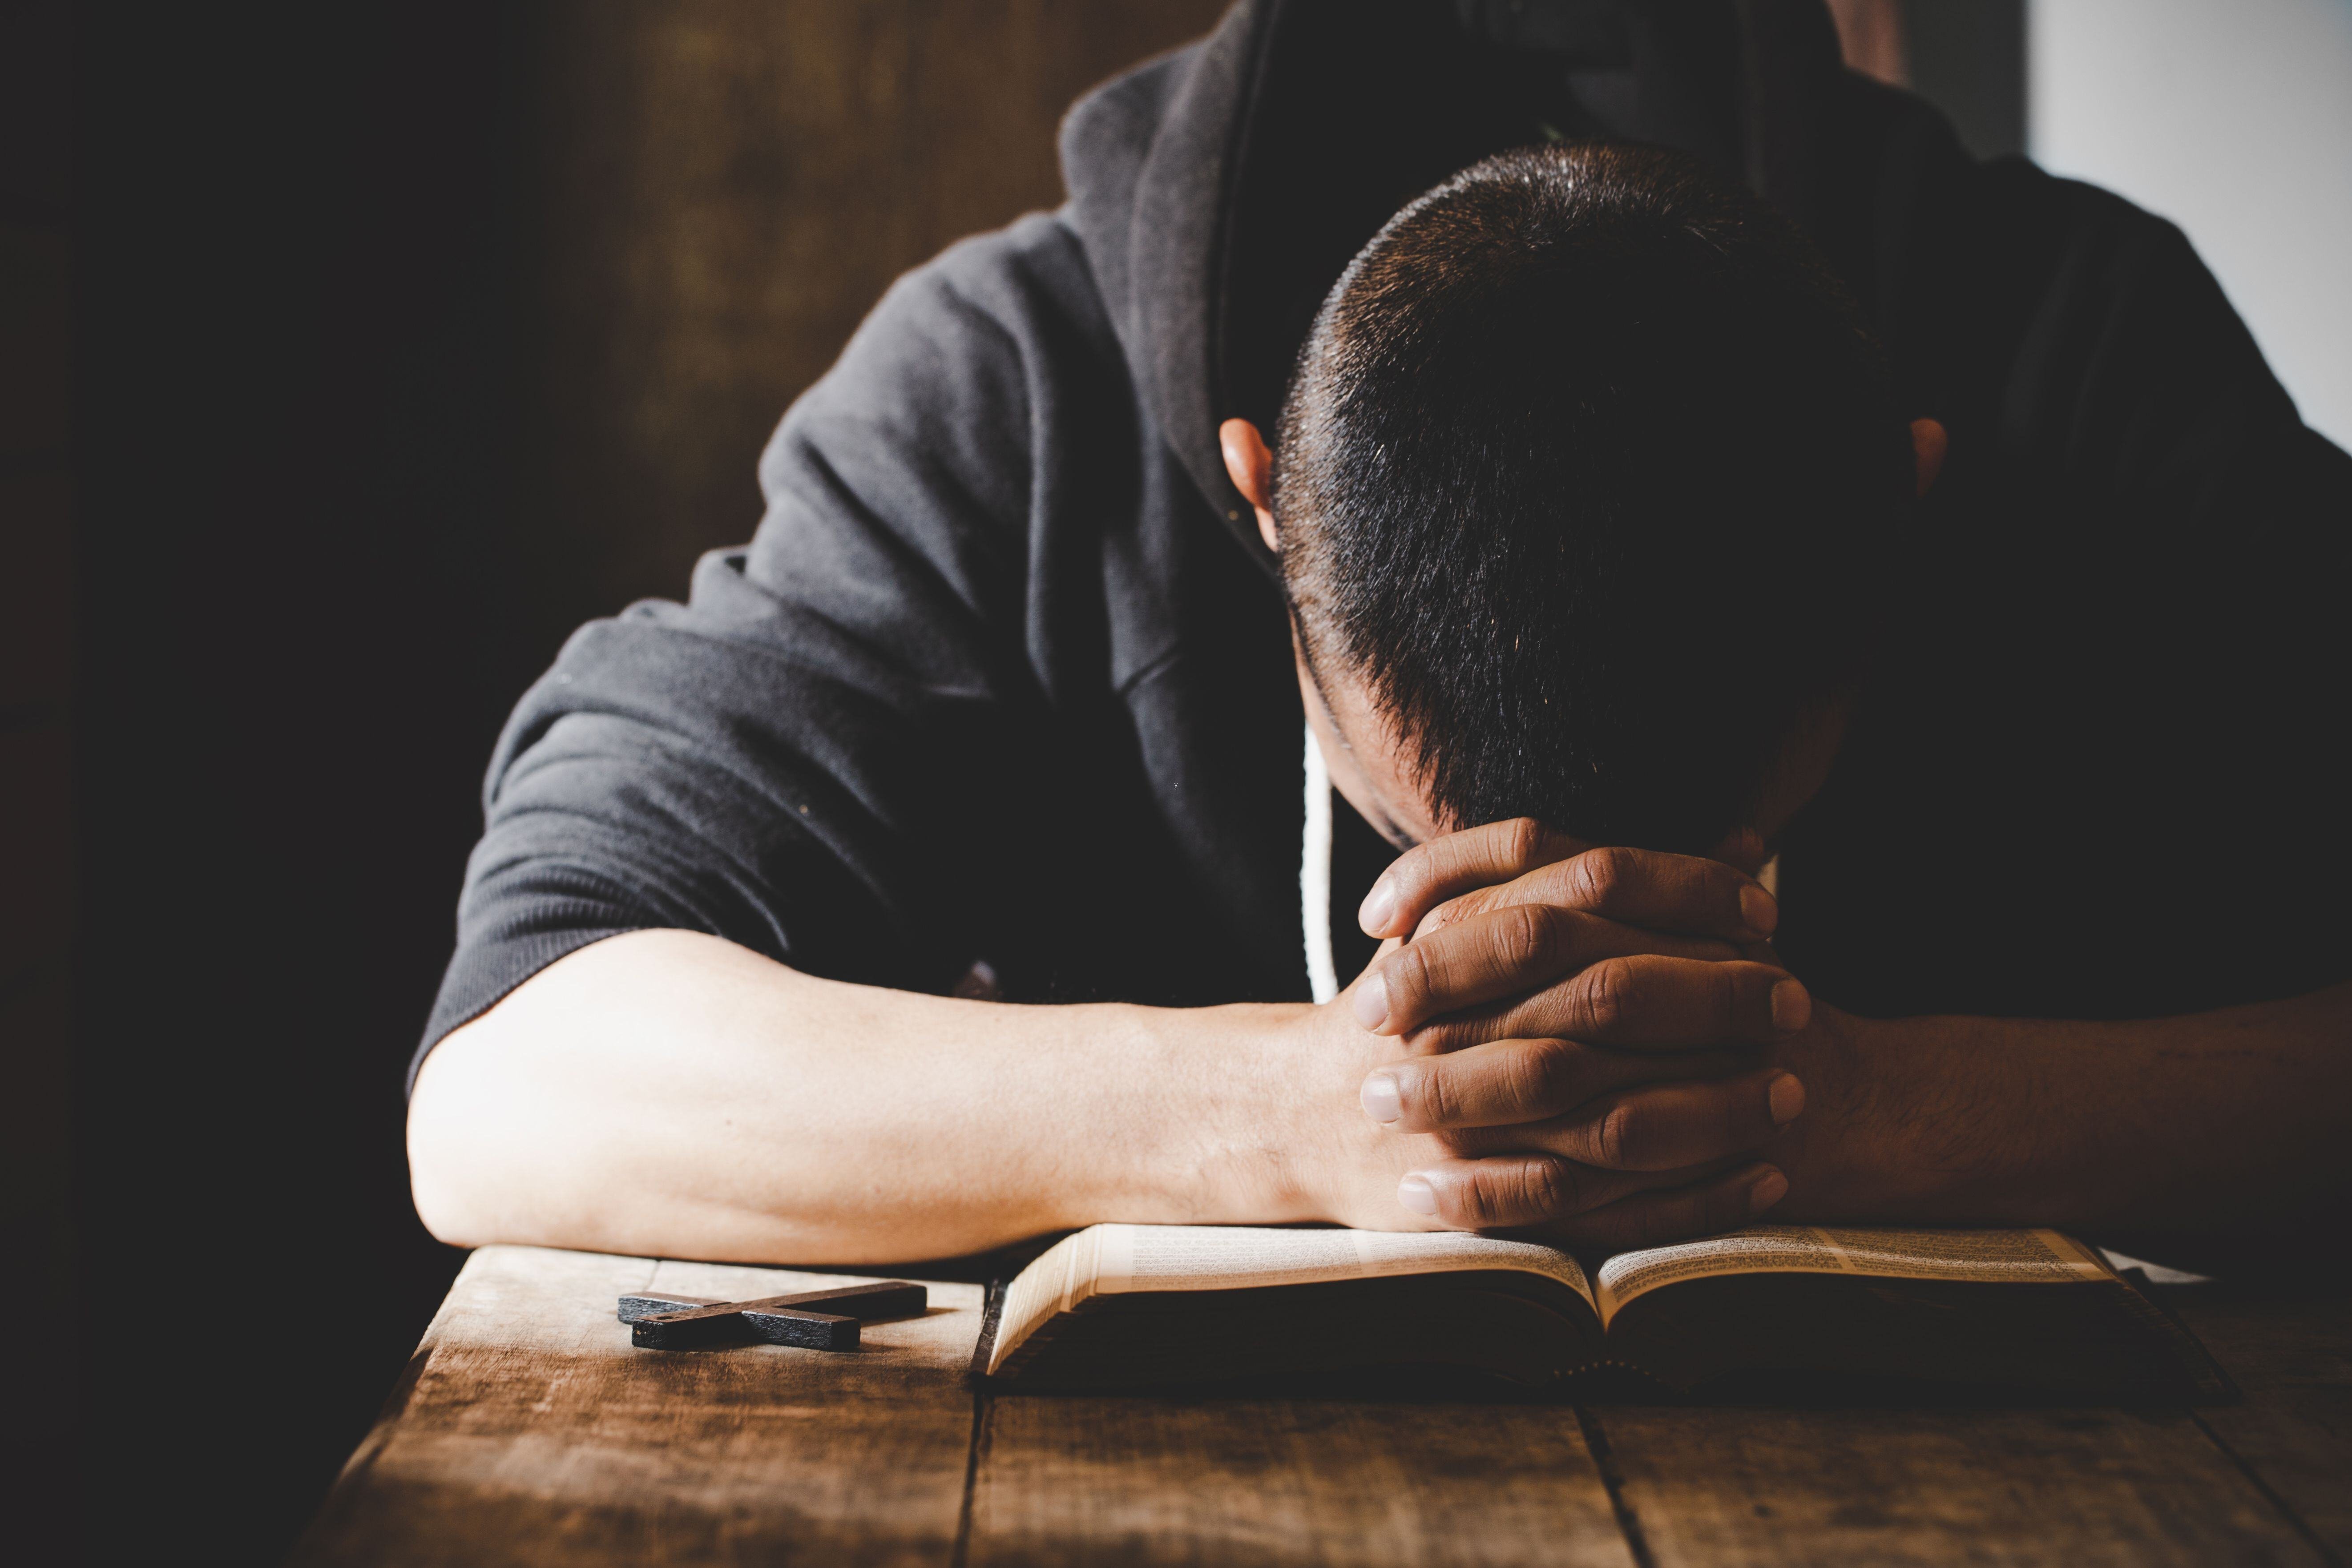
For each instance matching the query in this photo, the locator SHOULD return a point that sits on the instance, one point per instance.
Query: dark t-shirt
(2087, 783)
(2099, 770)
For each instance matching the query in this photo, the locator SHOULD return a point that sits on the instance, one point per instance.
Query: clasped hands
(1573, 1043)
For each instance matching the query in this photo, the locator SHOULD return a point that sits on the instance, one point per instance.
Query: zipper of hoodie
(1315, 876)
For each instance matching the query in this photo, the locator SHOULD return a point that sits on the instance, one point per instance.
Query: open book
(1136, 1306)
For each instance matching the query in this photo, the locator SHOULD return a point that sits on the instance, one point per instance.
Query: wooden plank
(528, 1431)
(1802, 1486)
(2292, 1355)
(1070, 1480)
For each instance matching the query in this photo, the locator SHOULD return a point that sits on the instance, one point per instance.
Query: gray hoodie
(1004, 674)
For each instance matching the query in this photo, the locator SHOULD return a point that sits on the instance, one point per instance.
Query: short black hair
(1589, 466)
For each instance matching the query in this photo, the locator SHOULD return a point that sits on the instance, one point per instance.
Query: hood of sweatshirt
(1220, 190)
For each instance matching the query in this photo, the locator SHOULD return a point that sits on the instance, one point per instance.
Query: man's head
(1581, 489)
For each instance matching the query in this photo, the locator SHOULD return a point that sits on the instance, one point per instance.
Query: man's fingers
(1657, 1126)
(1456, 909)
(1428, 874)
(1640, 1002)
(1502, 953)
(1644, 888)
(1649, 1002)
(1654, 1218)
(1714, 897)
(1558, 1199)
(1506, 1084)
(1503, 1191)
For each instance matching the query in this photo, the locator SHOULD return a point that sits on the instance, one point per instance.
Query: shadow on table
(1618, 1386)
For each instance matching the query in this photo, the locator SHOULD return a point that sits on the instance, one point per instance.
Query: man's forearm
(2224, 1127)
(670, 1093)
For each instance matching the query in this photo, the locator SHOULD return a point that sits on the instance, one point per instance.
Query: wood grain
(2073, 1487)
(2292, 1355)
(528, 1431)
(1286, 1482)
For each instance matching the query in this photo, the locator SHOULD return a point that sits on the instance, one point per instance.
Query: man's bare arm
(2208, 1137)
(670, 1093)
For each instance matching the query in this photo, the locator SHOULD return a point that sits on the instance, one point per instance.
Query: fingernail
(1757, 907)
(1384, 1102)
(1765, 1191)
(1379, 909)
(1786, 1097)
(1372, 1002)
(1415, 1194)
(1790, 1007)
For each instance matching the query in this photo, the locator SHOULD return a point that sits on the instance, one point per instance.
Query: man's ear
(1928, 444)
(1251, 467)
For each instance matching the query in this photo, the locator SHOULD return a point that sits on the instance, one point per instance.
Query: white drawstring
(1315, 876)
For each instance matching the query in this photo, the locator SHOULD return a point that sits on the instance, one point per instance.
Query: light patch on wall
(2234, 121)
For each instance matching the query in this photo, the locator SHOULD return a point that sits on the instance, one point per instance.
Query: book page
(1236, 1258)
(1998, 1256)
(1120, 1259)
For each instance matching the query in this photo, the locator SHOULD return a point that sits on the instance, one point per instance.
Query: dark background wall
(409, 336)
(37, 720)
(721, 189)
(350, 355)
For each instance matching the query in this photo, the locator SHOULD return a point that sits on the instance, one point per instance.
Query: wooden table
(526, 1431)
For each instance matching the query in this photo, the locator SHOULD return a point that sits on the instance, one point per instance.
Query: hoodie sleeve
(797, 758)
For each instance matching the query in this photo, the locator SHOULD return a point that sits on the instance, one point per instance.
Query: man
(1587, 507)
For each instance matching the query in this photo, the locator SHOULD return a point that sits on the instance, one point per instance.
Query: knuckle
(1406, 976)
(1542, 1072)
(1523, 839)
(1608, 996)
(1548, 1011)
(1545, 1188)
(1596, 877)
(1478, 1200)
(1520, 934)
(1616, 1135)
(1432, 1092)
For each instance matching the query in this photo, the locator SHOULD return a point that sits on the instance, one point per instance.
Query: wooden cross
(667, 1323)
